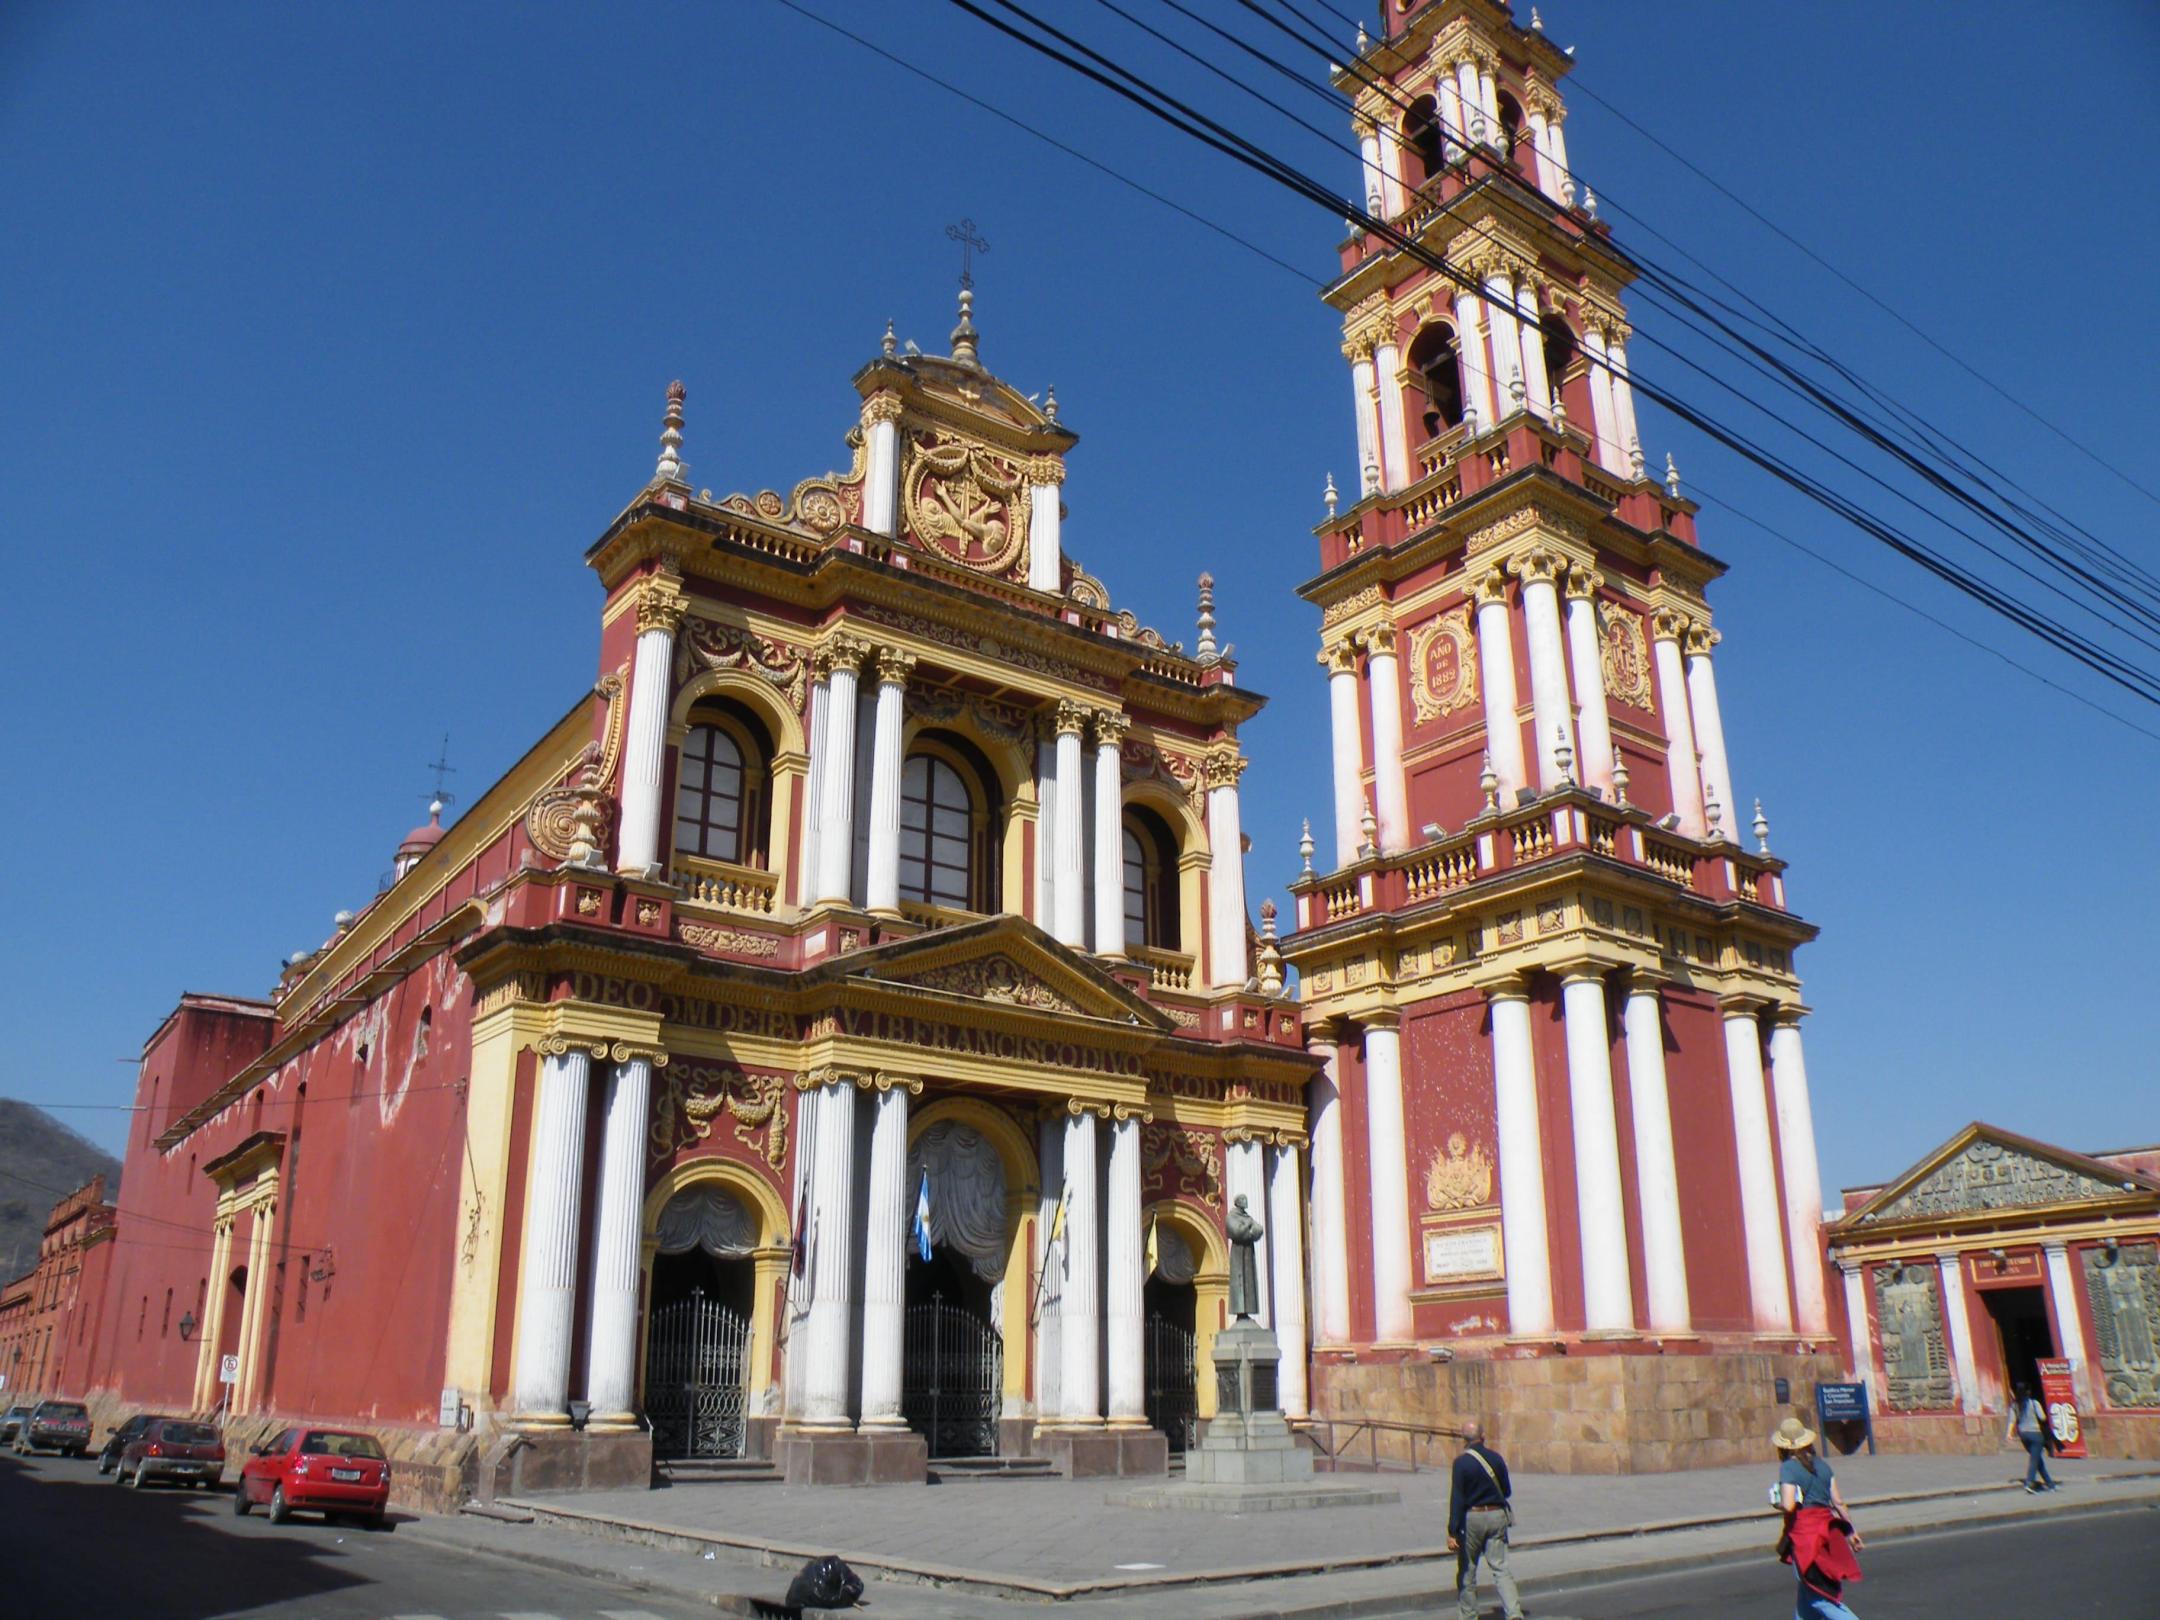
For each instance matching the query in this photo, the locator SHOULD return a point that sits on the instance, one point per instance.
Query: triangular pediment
(1000, 962)
(1983, 1170)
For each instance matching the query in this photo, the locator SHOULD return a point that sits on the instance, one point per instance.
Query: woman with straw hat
(1819, 1539)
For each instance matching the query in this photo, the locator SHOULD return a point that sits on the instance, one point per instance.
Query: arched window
(937, 835)
(720, 784)
(1433, 362)
(1559, 348)
(1421, 142)
(1151, 882)
(1512, 147)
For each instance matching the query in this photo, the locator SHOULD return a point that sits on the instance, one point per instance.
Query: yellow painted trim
(483, 1182)
(767, 1260)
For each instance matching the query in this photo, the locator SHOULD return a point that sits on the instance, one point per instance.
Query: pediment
(1002, 962)
(1982, 1170)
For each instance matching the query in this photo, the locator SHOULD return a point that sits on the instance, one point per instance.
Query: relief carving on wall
(1625, 654)
(1460, 1177)
(992, 978)
(704, 644)
(1988, 1175)
(1177, 1161)
(1443, 664)
(1916, 1361)
(695, 1093)
(570, 822)
(726, 941)
(966, 501)
(2125, 1296)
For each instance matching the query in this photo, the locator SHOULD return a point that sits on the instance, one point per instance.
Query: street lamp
(187, 1326)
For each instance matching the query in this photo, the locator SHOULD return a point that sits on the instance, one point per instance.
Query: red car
(172, 1448)
(327, 1471)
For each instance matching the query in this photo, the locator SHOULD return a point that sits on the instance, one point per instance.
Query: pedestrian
(1478, 1520)
(2029, 1426)
(1819, 1539)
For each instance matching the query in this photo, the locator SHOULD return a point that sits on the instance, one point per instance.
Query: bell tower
(1566, 1107)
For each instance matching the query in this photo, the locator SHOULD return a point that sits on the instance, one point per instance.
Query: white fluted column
(1391, 783)
(881, 463)
(1394, 195)
(1958, 1320)
(1373, 188)
(1045, 543)
(830, 1261)
(1068, 853)
(1537, 385)
(1330, 1225)
(1348, 742)
(1046, 818)
(1770, 1300)
(1859, 1342)
(1600, 1209)
(801, 1207)
(1244, 1176)
(883, 889)
(1050, 1145)
(1473, 104)
(1496, 678)
(1657, 1176)
(1586, 661)
(1388, 1166)
(1110, 728)
(885, 1235)
(1365, 397)
(1551, 722)
(1803, 1180)
(1447, 97)
(1558, 138)
(1126, 1268)
(1396, 471)
(1470, 351)
(611, 1352)
(813, 809)
(1080, 1310)
(1623, 399)
(1506, 341)
(1548, 180)
(843, 657)
(1610, 453)
(1227, 963)
(659, 612)
(1286, 1226)
(1522, 1162)
(1489, 101)
(547, 1267)
(1709, 728)
(1666, 629)
(2068, 1322)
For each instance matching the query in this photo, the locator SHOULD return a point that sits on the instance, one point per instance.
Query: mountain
(41, 1162)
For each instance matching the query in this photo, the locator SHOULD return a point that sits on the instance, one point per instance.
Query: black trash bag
(825, 1583)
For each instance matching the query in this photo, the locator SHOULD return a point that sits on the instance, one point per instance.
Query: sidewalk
(972, 1550)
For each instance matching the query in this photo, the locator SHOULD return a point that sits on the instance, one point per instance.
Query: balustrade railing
(1436, 871)
(1669, 861)
(1167, 970)
(724, 886)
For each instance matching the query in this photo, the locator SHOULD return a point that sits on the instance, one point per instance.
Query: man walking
(1478, 1520)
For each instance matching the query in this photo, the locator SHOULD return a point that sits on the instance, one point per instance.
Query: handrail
(1331, 1451)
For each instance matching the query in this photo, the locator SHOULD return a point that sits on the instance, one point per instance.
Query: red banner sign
(2059, 1396)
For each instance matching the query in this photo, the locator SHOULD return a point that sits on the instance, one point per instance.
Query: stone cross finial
(672, 469)
(1489, 782)
(1762, 830)
(1305, 849)
(1329, 495)
(964, 335)
(1206, 651)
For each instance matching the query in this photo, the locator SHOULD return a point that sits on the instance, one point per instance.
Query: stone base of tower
(1590, 1411)
(852, 1457)
(1104, 1453)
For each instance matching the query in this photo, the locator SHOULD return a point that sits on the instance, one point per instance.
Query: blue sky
(330, 337)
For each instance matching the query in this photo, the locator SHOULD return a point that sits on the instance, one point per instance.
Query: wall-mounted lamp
(580, 1412)
(187, 1326)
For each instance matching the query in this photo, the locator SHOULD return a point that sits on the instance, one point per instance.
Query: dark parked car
(178, 1449)
(62, 1426)
(11, 1422)
(116, 1442)
(330, 1471)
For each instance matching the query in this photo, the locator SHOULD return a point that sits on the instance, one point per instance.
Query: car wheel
(240, 1501)
(140, 1479)
(279, 1512)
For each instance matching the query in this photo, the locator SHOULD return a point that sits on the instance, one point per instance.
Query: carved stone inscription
(1916, 1361)
(1986, 1176)
(2125, 1297)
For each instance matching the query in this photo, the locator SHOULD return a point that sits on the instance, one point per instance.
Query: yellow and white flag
(1153, 1255)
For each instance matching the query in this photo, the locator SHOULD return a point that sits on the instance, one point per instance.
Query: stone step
(719, 1470)
(955, 1469)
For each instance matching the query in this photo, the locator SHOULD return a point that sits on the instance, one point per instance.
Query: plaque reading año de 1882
(1462, 1254)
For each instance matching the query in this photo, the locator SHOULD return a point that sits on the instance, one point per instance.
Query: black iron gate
(697, 1368)
(952, 1382)
(1173, 1404)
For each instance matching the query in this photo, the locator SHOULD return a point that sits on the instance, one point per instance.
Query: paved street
(73, 1543)
(2100, 1564)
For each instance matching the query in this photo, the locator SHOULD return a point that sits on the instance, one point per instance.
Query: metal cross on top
(442, 768)
(971, 244)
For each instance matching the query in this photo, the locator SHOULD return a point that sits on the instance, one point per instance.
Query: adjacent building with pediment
(1994, 1252)
(836, 1042)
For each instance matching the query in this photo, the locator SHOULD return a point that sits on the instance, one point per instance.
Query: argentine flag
(922, 1217)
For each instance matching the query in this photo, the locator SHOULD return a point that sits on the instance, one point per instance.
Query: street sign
(2059, 1395)
(228, 1370)
(1845, 1403)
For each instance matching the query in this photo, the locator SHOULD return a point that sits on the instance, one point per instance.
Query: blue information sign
(1845, 1403)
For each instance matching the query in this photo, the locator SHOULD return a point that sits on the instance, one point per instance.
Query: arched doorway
(697, 1348)
(952, 1374)
(1171, 1304)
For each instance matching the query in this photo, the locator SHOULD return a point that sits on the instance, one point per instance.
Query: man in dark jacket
(1478, 1520)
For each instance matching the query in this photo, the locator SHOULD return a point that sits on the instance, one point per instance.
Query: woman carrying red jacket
(1819, 1540)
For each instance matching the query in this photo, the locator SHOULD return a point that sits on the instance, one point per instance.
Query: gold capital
(1380, 639)
(843, 651)
(881, 407)
(895, 665)
(1111, 726)
(1070, 717)
(1700, 639)
(660, 604)
(1667, 625)
(1583, 584)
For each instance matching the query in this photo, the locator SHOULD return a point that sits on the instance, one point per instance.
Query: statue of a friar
(1245, 1235)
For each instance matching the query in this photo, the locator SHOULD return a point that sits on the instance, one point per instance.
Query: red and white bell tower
(1566, 1111)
